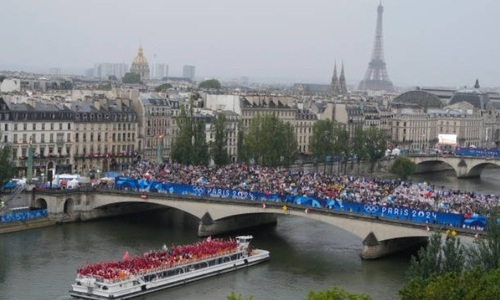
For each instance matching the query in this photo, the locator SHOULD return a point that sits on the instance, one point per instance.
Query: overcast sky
(426, 42)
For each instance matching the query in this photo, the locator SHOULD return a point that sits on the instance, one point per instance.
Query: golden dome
(140, 65)
(140, 58)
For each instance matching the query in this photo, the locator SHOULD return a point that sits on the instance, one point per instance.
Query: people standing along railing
(343, 202)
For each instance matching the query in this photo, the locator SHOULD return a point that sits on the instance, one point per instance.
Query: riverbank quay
(25, 225)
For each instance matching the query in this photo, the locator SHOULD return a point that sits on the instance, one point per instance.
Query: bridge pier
(209, 227)
(373, 249)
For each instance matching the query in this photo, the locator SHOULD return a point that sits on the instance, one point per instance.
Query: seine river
(41, 263)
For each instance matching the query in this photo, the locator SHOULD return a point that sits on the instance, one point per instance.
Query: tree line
(269, 141)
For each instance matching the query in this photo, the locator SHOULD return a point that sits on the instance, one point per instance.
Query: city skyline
(426, 43)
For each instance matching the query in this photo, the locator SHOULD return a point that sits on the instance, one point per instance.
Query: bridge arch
(433, 165)
(464, 166)
(40, 203)
(476, 170)
(69, 206)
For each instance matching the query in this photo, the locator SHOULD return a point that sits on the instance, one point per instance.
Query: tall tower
(335, 82)
(376, 77)
(342, 84)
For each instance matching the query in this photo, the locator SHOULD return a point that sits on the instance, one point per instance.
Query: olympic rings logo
(198, 189)
(371, 208)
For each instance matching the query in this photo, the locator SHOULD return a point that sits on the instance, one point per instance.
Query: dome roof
(417, 99)
(140, 58)
(476, 98)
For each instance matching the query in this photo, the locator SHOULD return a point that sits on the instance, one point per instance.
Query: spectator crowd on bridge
(285, 182)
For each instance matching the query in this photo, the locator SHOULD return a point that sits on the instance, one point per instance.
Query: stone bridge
(380, 237)
(464, 166)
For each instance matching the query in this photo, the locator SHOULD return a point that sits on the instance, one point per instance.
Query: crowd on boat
(156, 260)
(285, 182)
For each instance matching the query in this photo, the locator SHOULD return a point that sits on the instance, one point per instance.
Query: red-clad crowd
(156, 260)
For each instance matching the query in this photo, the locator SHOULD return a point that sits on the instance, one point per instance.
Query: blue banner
(391, 212)
(23, 215)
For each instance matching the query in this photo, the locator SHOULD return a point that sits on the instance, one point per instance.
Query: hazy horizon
(426, 43)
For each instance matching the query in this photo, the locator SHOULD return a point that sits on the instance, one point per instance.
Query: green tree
(358, 142)
(210, 84)
(336, 293)
(341, 143)
(289, 144)
(266, 139)
(182, 146)
(403, 167)
(242, 154)
(200, 145)
(131, 78)
(468, 285)
(451, 271)
(190, 146)
(322, 139)
(7, 166)
(218, 148)
(163, 87)
(375, 145)
(437, 258)
(428, 260)
(234, 296)
(485, 253)
(357, 145)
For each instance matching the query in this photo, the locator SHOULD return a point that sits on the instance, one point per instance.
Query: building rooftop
(417, 99)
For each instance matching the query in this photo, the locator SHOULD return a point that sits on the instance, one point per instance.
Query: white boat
(166, 268)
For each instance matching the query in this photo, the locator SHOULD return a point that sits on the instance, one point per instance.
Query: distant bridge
(464, 166)
(381, 236)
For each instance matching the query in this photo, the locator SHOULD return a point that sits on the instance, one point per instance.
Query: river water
(305, 255)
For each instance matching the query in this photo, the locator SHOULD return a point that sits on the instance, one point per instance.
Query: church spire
(335, 81)
(476, 86)
(342, 84)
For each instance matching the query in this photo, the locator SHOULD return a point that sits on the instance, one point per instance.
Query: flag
(125, 255)
(284, 208)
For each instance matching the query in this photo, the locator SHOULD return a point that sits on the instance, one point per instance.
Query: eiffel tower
(376, 77)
